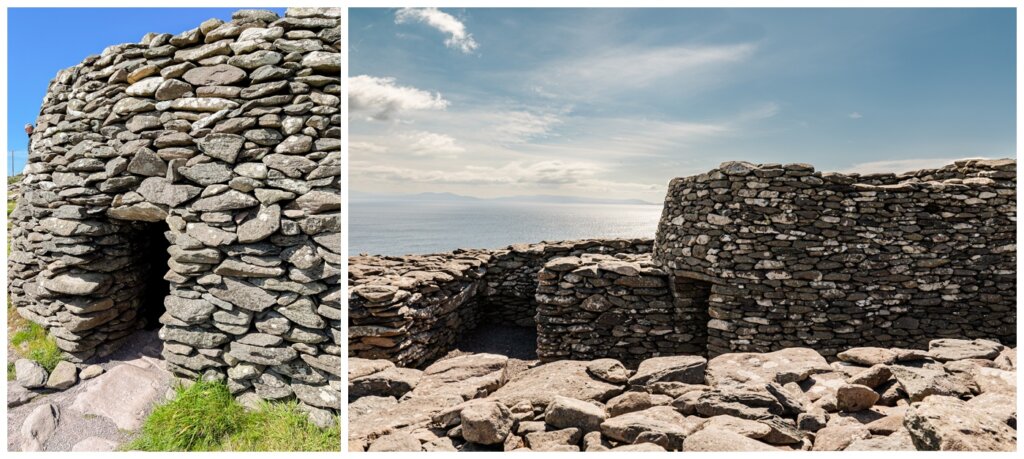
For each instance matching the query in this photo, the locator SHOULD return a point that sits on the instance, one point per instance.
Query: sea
(411, 227)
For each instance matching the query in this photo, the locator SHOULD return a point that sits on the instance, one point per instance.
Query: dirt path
(141, 350)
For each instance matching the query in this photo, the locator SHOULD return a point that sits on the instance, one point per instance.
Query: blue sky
(42, 41)
(616, 102)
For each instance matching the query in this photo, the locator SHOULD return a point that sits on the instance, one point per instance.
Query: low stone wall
(225, 141)
(412, 309)
(828, 261)
(622, 307)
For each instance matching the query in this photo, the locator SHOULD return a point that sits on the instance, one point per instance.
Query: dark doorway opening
(153, 245)
(692, 300)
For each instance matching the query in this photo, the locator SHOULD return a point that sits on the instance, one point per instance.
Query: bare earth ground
(519, 344)
(142, 347)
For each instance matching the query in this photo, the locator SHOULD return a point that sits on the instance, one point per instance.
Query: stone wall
(225, 139)
(412, 309)
(622, 307)
(830, 261)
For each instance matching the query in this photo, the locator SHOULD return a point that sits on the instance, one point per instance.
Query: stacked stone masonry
(412, 309)
(799, 258)
(226, 139)
(621, 307)
(748, 258)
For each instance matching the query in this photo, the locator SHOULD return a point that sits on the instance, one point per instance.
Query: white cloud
(512, 173)
(630, 67)
(447, 24)
(366, 148)
(422, 143)
(902, 165)
(379, 98)
(855, 116)
(523, 126)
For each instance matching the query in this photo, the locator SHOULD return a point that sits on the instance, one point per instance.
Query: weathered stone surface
(958, 349)
(722, 440)
(564, 412)
(539, 385)
(486, 423)
(124, 394)
(396, 442)
(63, 376)
(216, 75)
(77, 283)
(265, 223)
(660, 420)
(684, 369)
(29, 374)
(394, 382)
(787, 365)
(942, 423)
(468, 376)
(855, 397)
(868, 356)
(919, 383)
(224, 147)
(39, 426)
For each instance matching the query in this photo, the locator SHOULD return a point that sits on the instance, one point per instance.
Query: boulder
(394, 382)
(942, 423)
(919, 383)
(661, 420)
(63, 376)
(958, 349)
(855, 397)
(868, 356)
(688, 369)
(609, 370)
(567, 378)
(39, 426)
(564, 412)
(468, 376)
(30, 374)
(486, 423)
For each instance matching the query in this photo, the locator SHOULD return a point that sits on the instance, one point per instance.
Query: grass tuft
(31, 342)
(205, 417)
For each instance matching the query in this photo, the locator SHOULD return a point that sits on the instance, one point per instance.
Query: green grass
(10, 207)
(32, 342)
(205, 417)
(14, 179)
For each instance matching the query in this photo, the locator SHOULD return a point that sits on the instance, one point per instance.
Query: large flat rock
(566, 378)
(124, 394)
(784, 366)
(942, 423)
(468, 376)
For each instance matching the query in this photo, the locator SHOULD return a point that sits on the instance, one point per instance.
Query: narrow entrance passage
(153, 254)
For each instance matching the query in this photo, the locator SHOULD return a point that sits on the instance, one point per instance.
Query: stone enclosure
(747, 258)
(214, 152)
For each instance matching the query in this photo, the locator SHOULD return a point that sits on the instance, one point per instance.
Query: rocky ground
(958, 395)
(100, 412)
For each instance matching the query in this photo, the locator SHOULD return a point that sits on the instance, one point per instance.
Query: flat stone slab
(125, 394)
(784, 366)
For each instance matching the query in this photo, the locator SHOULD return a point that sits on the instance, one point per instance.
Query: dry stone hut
(747, 258)
(796, 257)
(214, 153)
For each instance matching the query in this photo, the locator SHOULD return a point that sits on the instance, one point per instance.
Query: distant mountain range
(452, 197)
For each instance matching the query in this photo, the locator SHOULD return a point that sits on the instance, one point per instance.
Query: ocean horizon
(402, 227)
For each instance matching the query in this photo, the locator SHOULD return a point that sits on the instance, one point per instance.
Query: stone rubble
(226, 139)
(685, 403)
